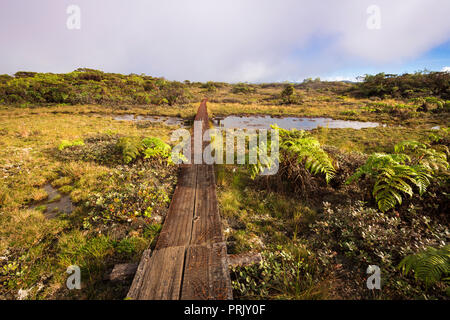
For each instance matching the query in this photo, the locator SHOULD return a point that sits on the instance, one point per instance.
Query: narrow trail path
(190, 259)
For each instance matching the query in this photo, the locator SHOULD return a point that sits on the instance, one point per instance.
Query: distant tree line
(419, 84)
(88, 86)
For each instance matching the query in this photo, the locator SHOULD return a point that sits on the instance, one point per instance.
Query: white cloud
(446, 69)
(231, 40)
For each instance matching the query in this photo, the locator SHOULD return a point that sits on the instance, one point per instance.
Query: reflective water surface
(264, 122)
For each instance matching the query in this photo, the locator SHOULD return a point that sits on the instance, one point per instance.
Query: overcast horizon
(232, 41)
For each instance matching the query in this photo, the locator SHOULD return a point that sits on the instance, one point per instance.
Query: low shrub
(280, 275)
(288, 95)
(357, 237)
(243, 88)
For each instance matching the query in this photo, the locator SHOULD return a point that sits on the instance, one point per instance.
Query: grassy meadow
(107, 225)
(342, 200)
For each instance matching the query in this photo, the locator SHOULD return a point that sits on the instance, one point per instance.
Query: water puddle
(55, 203)
(264, 122)
(171, 121)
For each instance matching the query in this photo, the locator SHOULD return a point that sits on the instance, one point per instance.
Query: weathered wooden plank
(162, 279)
(139, 277)
(207, 226)
(177, 226)
(206, 275)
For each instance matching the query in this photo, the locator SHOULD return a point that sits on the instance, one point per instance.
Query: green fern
(376, 162)
(430, 266)
(155, 147)
(423, 177)
(307, 150)
(409, 145)
(263, 162)
(424, 155)
(133, 147)
(396, 174)
(393, 178)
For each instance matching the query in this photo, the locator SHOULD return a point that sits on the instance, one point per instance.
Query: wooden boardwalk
(190, 259)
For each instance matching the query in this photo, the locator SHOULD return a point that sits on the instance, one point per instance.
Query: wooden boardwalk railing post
(190, 258)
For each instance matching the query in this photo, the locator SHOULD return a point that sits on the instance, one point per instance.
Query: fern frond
(430, 266)
(434, 160)
(131, 147)
(408, 145)
(423, 178)
(307, 150)
(263, 162)
(155, 147)
(425, 156)
(393, 177)
(304, 148)
(377, 163)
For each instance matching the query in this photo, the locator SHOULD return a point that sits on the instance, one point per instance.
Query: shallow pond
(264, 122)
(55, 203)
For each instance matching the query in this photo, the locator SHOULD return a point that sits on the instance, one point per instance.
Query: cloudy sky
(227, 40)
